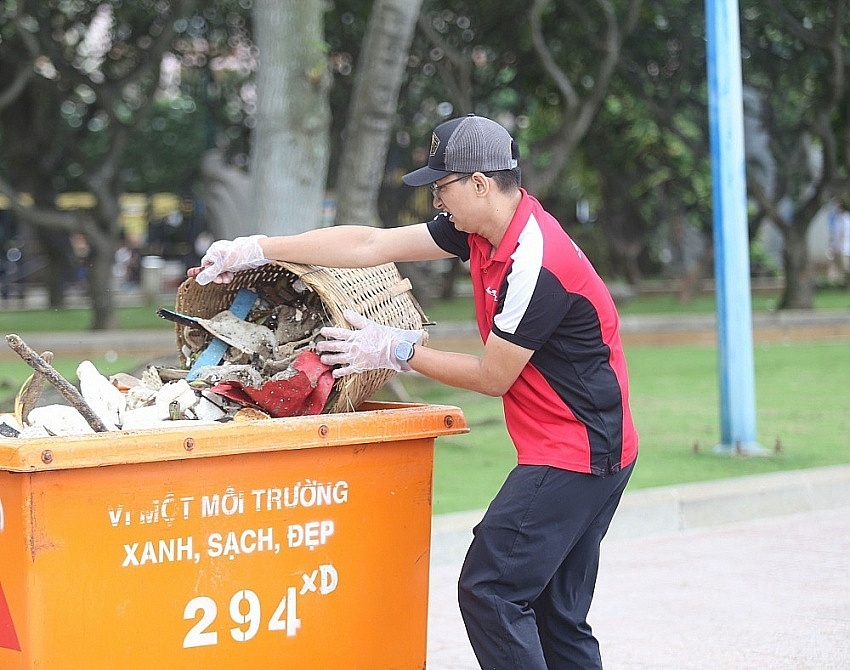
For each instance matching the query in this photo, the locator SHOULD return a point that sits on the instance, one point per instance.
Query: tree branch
(796, 27)
(459, 88)
(68, 390)
(766, 203)
(46, 218)
(23, 76)
(579, 113)
(107, 93)
(562, 81)
(25, 71)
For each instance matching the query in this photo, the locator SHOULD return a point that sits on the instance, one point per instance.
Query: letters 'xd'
(8, 636)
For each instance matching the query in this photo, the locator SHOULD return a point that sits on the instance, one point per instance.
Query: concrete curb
(688, 322)
(672, 509)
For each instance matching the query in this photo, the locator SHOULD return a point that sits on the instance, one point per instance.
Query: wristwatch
(403, 351)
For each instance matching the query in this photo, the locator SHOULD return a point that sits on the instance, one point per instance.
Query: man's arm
(354, 246)
(370, 345)
(491, 374)
(340, 246)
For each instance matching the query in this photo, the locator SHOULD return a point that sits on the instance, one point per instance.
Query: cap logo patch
(435, 144)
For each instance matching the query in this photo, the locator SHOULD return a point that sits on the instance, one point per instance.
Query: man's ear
(482, 184)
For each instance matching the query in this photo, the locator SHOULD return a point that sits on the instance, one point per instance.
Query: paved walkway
(731, 586)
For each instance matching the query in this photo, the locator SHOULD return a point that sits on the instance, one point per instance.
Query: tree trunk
(373, 105)
(290, 150)
(101, 255)
(55, 247)
(693, 277)
(799, 277)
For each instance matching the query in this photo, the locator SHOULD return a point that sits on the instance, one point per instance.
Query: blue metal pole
(731, 239)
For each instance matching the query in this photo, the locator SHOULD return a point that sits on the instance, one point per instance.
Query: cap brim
(424, 176)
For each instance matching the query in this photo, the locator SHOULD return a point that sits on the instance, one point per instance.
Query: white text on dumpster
(172, 510)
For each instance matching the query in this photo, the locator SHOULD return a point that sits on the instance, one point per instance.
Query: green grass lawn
(802, 403)
(77, 319)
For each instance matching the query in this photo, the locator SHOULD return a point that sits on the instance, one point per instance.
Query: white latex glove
(224, 257)
(369, 346)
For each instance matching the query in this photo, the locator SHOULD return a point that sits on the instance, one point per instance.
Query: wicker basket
(379, 293)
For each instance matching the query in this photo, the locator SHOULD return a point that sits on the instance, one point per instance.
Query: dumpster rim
(372, 422)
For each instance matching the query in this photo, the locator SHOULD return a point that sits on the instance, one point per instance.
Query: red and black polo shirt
(569, 408)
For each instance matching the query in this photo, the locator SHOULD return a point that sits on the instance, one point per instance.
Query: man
(552, 351)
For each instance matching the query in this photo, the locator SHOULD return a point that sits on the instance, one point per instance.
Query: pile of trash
(255, 360)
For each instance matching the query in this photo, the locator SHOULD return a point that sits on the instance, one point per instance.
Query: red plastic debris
(305, 392)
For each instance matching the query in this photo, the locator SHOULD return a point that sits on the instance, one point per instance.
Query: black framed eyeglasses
(435, 188)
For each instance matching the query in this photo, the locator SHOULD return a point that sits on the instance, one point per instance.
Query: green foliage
(647, 148)
(177, 128)
(103, 71)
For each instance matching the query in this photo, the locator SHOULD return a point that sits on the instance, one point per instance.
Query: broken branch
(68, 390)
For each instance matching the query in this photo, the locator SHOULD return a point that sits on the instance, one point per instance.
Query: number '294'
(245, 612)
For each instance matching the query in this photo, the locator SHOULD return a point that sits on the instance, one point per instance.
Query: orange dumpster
(283, 543)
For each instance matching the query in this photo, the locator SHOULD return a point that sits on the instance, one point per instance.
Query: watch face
(404, 351)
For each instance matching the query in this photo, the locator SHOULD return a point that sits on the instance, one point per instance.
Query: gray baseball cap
(465, 145)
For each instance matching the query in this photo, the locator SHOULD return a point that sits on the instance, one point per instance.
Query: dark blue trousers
(527, 582)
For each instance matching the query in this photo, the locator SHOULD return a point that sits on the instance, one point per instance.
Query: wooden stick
(68, 390)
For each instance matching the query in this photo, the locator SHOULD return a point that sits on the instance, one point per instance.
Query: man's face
(450, 196)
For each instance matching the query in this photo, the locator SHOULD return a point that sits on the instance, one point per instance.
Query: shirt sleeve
(449, 238)
(530, 309)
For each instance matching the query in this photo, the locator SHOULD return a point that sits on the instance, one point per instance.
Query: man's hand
(370, 346)
(224, 257)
